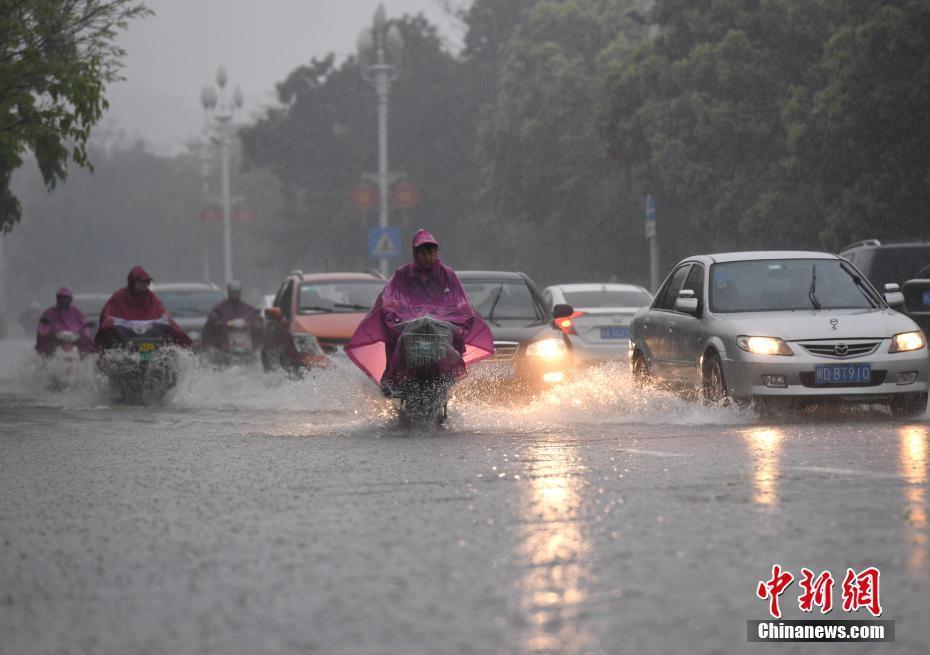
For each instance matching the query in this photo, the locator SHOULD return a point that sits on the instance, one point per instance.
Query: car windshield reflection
(786, 285)
(347, 297)
(502, 300)
(190, 303)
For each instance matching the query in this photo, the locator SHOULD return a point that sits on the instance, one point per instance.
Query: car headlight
(763, 345)
(547, 348)
(907, 341)
(307, 344)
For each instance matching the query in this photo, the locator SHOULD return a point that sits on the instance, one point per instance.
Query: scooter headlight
(307, 344)
(547, 349)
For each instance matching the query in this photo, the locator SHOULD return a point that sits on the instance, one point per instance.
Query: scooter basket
(422, 349)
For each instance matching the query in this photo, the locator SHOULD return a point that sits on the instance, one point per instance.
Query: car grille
(840, 349)
(504, 351)
(876, 378)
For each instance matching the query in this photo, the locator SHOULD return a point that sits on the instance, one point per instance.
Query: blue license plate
(613, 332)
(842, 373)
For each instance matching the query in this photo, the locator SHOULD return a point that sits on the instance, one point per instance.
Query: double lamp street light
(218, 126)
(379, 56)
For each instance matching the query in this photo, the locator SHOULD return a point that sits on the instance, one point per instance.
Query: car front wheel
(714, 387)
(640, 371)
(910, 404)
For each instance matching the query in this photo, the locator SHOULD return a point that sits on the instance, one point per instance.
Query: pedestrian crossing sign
(384, 242)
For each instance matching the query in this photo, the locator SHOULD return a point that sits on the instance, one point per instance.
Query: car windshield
(186, 304)
(787, 284)
(608, 298)
(342, 297)
(499, 300)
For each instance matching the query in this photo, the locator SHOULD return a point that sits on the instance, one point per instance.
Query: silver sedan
(599, 327)
(771, 327)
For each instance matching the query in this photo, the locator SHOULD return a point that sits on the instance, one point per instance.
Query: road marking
(836, 471)
(656, 453)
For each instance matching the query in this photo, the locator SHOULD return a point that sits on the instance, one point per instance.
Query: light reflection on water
(765, 448)
(554, 588)
(913, 462)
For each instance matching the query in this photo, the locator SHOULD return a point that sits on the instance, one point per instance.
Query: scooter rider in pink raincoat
(63, 317)
(423, 287)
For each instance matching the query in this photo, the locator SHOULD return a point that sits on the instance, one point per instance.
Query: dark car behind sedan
(528, 348)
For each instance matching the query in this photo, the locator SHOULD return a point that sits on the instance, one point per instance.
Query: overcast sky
(173, 54)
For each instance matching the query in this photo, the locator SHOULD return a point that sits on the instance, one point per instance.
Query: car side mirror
(274, 314)
(686, 302)
(894, 298)
(561, 311)
(893, 295)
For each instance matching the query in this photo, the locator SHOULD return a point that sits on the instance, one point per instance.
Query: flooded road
(254, 514)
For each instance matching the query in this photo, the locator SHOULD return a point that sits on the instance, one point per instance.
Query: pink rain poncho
(55, 320)
(414, 293)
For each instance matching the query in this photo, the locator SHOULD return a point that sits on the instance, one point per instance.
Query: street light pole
(221, 110)
(379, 57)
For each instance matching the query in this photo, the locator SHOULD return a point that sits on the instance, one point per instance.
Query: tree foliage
(545, 172)
(323, 140)
(56, 58)
(860, 133)
(754, 123)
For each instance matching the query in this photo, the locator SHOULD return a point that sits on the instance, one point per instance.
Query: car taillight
(567, 323)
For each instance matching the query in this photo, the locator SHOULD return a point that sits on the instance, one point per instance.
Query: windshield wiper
(863, 289)
(352, 306)
(316, 308)
(497, 299)
(812, 293)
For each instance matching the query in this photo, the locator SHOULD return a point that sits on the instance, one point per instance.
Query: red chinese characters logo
(860, 590)
(773, 588)
(817, 592)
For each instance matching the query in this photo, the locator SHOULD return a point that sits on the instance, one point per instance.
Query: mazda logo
(841, 349)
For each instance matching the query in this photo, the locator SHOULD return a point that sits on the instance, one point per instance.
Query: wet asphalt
(254, 514)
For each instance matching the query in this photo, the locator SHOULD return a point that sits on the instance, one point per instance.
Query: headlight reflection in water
(913, 462)
(556, 582)
(764, 448)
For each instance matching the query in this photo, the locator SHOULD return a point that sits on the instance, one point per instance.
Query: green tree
(323, 138)
(861, 132)
(56, 58)
(545, 170)
(699, 111)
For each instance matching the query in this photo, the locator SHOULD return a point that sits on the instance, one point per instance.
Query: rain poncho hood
(409, 294)
(136, 306)
(55, 320)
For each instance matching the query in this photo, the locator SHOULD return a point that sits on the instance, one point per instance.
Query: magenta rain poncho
(414, 293)
(55, 320)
